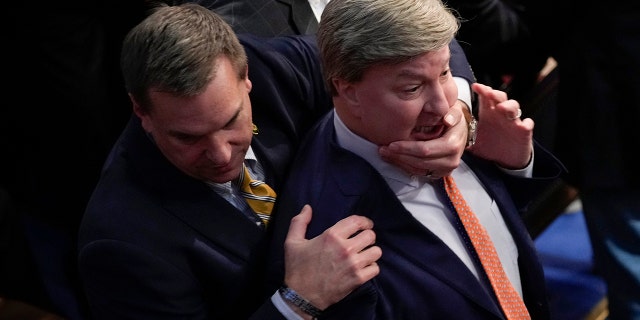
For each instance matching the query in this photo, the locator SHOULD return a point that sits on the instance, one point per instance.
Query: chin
(219, 175)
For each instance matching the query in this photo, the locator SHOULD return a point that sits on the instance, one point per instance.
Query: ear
(246, 80)
(141, 113)
(348, 92)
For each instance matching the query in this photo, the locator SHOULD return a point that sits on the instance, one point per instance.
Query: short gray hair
(174, 50)
(356, 34)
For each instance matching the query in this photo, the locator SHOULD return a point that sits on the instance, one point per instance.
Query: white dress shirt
(464, 94)
(230, 190)
(318, 6)
(420, 198)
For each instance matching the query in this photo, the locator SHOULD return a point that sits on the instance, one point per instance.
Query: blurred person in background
(63, 70)
(597, 46)
(597, 49)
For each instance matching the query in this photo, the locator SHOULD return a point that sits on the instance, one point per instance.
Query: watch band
(290, 295)
(472, 126)
(471, 133)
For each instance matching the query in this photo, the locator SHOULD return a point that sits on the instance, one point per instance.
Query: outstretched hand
(502, 136)
(327, 268)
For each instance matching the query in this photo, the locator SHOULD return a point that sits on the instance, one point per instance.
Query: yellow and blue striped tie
(258, 195)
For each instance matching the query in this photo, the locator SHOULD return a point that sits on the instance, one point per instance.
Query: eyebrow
(233, 118)
(404, 73)
(408, 74)
(227, 124)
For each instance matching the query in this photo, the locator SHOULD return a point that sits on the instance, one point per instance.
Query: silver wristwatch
(471, 133)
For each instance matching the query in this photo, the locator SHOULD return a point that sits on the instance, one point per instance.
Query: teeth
(424, 129)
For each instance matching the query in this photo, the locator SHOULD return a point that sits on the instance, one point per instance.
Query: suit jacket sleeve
(287, 97)
(459, 64)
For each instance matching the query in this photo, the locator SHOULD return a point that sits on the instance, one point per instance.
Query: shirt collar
(369, 151)
(250, 159)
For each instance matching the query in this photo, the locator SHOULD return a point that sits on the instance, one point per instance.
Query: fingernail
(449, 119)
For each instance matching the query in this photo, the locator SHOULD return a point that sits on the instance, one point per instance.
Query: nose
(440, 97)
(217, 150)
(436, 101)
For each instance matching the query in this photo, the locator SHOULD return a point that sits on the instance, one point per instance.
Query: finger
(487, 93)
(497, 96)
(369, 272)
(454, 115)
(480, 88)
(528, 123)
(412, 165)
(414, 149)
(508, 105)
(362, 240)
(416, 152)
(299, 223)
(434, 169)
(364, 244)
(399, 155)
(441, 158)
(510, 108)
(440, 168)
(450, 120)
(350, 226)
(368, 262)
(361, 275)
(370, 255)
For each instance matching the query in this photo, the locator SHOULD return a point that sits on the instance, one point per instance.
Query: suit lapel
(396, 229)
(498, 191)
(220, 222)
(399, 230)
(531, 273)
(191, 200)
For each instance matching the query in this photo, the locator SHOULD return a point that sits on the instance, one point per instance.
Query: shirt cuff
(526, 172)
(284, 308)
(464, 91)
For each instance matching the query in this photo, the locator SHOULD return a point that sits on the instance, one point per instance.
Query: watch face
(471, 134)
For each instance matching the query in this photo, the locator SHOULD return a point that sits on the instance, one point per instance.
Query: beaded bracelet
(298, 301)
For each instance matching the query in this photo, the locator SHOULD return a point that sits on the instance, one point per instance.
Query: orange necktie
(510, 301)
(258, 195)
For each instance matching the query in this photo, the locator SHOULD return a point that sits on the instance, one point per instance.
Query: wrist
(522, 164)
(293, 298)
(472, 127)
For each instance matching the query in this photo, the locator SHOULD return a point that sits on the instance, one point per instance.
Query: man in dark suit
(166, 233)
(598, 108)
(497, 38)
(387, 66)
(267, 18)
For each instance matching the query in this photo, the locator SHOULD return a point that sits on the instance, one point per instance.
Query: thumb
(299, 223)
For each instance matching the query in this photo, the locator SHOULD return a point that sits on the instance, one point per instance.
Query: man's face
(205, 136)
(405, 101)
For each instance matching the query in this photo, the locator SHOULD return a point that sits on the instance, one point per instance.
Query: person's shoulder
(280, 43)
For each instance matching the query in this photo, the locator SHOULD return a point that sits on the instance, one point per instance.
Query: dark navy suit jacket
(157, 244)
(265, 17)
(420, 277)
